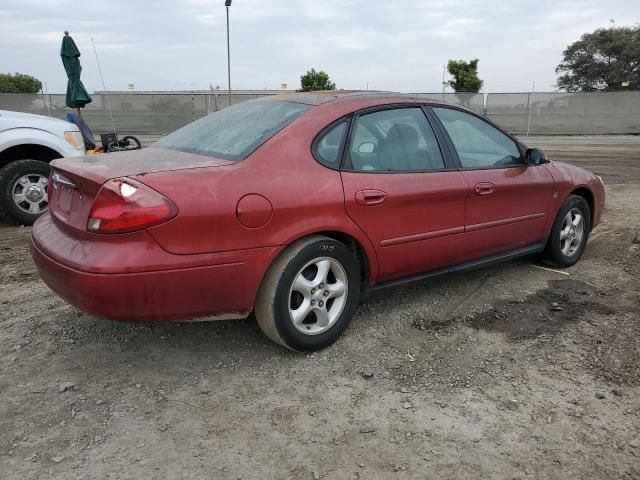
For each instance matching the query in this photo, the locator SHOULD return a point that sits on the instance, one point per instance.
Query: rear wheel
(309, 294)
(570, 233)
(23, 190)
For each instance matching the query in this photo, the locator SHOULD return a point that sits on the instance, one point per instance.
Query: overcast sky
(391, 44)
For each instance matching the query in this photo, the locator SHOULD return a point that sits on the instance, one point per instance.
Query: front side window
(398, 140)
(233, 133)
(478, 144)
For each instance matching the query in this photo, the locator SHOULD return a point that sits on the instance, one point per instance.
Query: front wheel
(570, 233)
(309, 294)
(23, 190)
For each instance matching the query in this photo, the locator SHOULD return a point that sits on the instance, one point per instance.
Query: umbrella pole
(79, 113)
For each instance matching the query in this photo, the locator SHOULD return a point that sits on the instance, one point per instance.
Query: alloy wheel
(318, 296)
(572, 232)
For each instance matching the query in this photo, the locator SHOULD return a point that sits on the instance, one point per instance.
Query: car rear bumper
(224, 288)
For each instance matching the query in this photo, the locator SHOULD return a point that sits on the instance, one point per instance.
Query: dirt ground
(508, 372)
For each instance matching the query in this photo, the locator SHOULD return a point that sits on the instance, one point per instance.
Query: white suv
(27, 144)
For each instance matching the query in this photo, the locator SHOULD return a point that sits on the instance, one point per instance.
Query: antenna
(106, 95)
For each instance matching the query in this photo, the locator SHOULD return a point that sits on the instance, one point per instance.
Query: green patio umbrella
(77, 95)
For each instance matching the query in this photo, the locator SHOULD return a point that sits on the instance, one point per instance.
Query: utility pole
(530, 107)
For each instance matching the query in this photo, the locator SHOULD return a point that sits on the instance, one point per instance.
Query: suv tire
(26, 179)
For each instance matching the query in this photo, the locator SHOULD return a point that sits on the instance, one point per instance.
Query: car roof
(322, 97)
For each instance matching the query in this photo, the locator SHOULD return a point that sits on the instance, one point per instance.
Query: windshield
(233, 133)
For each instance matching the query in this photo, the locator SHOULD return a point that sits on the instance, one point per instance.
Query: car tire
(131, 138)
(37, 173)
(570, 233)
(300, 306)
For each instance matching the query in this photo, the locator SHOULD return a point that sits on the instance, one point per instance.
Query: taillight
(124, 205)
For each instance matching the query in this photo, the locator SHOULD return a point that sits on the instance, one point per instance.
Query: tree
(465, 76)
(19, 83)
(603, 60)
(313, 80)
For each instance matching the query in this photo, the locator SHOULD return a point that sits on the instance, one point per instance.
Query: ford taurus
(294, 207)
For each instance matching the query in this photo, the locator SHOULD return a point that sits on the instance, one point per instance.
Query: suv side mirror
(535, 156)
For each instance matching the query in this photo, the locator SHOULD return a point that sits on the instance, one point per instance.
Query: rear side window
(478, 144)
(327, 146)
(234, 133)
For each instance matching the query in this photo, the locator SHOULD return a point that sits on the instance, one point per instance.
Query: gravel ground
(507, 372)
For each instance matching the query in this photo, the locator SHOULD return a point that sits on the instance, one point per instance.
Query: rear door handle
(371, 197)
(484, 188)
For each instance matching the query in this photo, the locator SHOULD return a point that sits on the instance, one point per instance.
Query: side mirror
(535, 156)
(366, 147)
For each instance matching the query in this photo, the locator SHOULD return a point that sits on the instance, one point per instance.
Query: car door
(508, 200)
(403, 192)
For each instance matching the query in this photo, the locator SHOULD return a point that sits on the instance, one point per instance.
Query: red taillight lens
(124, 205)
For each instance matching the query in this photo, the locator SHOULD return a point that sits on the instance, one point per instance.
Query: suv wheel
(23, 190)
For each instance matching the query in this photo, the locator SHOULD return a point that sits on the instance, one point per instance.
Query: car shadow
(216, 349)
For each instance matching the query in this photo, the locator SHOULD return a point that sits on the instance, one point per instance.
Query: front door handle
(484, 188)
(371, 197)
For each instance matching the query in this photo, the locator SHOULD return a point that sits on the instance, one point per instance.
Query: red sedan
(294, 207)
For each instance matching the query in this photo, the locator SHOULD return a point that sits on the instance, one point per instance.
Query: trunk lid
(74, 183)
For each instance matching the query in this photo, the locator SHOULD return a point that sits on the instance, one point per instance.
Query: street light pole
(227, 4)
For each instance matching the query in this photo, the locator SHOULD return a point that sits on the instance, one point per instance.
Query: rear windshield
(233, 133)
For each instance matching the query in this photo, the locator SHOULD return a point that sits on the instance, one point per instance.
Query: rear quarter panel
(306, 198)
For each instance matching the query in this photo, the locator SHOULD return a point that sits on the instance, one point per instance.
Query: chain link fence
(519, 113)
(566, 113)
(472, 101)
(133, 113)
